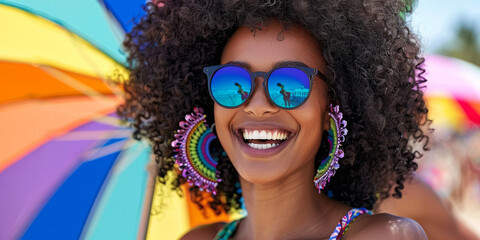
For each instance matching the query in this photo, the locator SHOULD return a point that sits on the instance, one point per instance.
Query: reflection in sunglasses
(294, 84)
(242, 93)
(288, 97)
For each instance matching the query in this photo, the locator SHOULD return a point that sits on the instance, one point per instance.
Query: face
(298, 131)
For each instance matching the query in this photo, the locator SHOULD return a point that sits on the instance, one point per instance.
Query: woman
(301, 171)
(286, 95)
(240, 91)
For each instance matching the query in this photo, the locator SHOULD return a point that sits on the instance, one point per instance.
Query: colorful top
(229, 230)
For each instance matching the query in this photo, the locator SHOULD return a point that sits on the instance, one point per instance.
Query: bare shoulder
(203, 232)
(386, 226)
(416, 193)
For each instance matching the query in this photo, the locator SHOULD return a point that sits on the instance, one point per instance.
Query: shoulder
(386, 226)
(204, 231)
(416, 193)
(422, 204)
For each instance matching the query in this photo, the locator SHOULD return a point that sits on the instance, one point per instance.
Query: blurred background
(69, 169)
(450, 34)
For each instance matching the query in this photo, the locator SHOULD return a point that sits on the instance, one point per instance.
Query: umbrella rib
(118, 29)
(105, 150)
(94, 135)
(73, 83)
(108, 120)
(125, 162)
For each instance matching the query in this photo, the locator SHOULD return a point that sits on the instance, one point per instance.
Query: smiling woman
(280, 80)
(254, 159)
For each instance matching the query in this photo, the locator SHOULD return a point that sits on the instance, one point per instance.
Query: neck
(291, 208)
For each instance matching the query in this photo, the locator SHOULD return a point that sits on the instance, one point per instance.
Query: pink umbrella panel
(453, 92)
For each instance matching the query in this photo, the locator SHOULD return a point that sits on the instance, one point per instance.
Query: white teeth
(264, 135)
(255, 135)
(262, 146)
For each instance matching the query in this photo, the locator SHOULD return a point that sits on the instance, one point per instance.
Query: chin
(260, 172)
(273, 169)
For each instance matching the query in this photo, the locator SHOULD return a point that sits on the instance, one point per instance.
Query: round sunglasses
(289, 87)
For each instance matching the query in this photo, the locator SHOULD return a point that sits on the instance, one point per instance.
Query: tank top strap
(228, 230)
(346, 221)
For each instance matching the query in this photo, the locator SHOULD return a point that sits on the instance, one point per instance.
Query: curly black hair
(372, 59)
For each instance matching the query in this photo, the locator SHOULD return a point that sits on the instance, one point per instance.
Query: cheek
(311, 118)
(311, 125)
(223, 118)
(319, 99)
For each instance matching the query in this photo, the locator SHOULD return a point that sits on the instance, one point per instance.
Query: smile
(264, 139)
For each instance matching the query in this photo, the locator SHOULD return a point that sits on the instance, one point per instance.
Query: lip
(260, 153)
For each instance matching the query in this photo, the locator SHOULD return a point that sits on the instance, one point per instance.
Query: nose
(259, 105)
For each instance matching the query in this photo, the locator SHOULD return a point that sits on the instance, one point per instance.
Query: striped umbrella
(453, 93)
(68, 169)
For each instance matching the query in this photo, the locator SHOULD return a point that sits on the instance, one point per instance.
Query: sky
(436, 21)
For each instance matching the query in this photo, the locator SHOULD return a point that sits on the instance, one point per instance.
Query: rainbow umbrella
(67, 166)
(68, 169)
(453, 93)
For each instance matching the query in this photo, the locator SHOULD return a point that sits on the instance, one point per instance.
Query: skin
(421, 203)
(278, 190)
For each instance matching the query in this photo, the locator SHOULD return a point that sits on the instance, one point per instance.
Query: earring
(192, 148)
(336, 136)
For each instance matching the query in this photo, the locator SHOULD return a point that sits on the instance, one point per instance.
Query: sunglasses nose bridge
(262, 75)
(258, 74)
(259, 102)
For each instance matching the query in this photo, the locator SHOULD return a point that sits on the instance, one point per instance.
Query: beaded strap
(346, 221)
(228, 230)
(342, 226)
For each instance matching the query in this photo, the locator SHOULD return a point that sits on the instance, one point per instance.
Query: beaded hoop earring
(336, 136)
(192, 148)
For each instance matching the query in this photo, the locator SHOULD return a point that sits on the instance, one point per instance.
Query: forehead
(262, 49)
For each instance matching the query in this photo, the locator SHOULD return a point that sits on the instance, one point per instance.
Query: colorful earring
(192, 148)
(336, 136)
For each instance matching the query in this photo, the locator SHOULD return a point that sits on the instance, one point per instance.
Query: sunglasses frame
(310, 72)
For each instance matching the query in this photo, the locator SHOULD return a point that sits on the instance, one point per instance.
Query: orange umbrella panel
(26, 81)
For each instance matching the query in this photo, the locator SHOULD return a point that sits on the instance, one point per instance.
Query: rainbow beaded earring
(192, 148)
(336, 136)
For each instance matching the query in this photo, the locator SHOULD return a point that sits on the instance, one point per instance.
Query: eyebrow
(278, 64)
(289, 63)
(241, 64)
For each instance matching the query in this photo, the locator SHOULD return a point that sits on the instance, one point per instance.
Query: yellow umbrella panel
(33, 39)
(172, 216)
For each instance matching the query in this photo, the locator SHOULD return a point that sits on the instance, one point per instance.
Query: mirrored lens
(288, 87)
(231, 86)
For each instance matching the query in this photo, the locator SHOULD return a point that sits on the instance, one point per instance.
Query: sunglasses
(230, 86)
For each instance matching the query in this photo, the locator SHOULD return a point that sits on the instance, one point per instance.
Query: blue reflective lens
(288, 87)
(231, 86)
